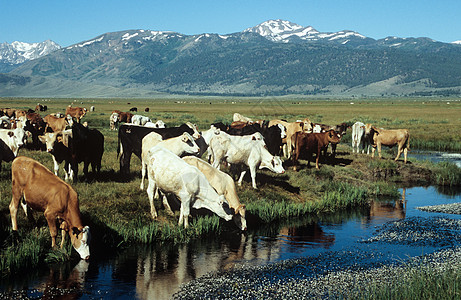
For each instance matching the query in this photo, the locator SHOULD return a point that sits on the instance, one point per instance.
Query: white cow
(183, 144)
(14, 138)
(157, 124)
(224, 185)
(140, 120)
(114, 121)
(238, 117)
(358, 138)
(59, 152)
(248, 150)
(171, 174)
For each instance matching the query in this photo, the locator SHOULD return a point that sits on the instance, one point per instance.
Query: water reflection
(387, 209)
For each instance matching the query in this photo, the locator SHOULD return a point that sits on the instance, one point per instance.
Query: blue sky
(68, 22)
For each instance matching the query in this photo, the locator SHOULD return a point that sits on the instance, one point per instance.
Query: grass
(415, 282)
(118, 211)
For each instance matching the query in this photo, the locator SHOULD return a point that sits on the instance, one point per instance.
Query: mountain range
(274, 58)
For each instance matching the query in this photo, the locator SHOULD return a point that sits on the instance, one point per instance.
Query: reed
(447, 173)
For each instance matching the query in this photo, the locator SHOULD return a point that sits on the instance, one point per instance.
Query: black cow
(87, 146)
(6, 154)
(36, 126)
(272, 135)
(134, 109)
(130, 140)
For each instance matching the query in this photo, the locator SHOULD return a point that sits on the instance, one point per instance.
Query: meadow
(118, 211)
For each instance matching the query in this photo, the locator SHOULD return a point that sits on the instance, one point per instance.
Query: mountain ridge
(285, 59)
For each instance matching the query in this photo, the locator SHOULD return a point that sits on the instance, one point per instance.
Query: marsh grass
(447, 173)
(415, 282)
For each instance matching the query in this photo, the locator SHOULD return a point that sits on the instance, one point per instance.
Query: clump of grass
(342, 195)
(447, 173)
(27, 253)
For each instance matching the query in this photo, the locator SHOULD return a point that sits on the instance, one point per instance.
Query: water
(157, 271)
(435, 156)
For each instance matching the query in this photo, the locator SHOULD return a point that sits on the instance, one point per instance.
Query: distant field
(429, 120)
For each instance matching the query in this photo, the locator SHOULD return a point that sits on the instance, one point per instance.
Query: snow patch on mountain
(19, 52)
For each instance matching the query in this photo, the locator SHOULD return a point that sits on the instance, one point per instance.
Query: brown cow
(125, 117)
(76, 112)
(389, 138)
(20, 113)
(43, 191)
(312, 142)
(291, 129)
(55, 123)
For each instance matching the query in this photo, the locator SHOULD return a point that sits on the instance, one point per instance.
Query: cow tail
(119, 145)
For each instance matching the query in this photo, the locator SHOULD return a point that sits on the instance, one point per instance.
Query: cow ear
(75, 231)
(42, 139)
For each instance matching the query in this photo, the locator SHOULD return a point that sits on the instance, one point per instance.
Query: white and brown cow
(45, 192)
(224, 185)
(76, 112)
(171, 174)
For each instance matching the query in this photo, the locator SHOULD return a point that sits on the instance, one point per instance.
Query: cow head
(275, 165)
(80, 239)
(283, 131)
(239, 217)
(190, 145)
(334, 137)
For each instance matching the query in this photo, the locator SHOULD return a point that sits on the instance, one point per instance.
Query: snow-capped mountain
(286, 31)
(457, 42)
(19, 52)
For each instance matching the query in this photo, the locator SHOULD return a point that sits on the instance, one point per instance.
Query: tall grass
(416, 282)
(447, 173)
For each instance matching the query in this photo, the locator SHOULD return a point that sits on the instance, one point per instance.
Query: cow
(88, 147)
(224, 185)
(389, 138)
(114, 121)
(20, 113)
(359, 138)
(239, 117)
(36, 126)
(157, 124)
(291, 129)
(56, 123)
(170, 174)
(40, 107)
(130, 140)
(9, 112)
(43, 191)
(309, 143)
(125, 117)
(76, 112)
(57, 144)
(146, 109)
(13, 138)
(6, 154)
(247, 150)
(180, 145)
(5, 122)
(92, 108)
(273, 135)
(134, 109)
(140, 120)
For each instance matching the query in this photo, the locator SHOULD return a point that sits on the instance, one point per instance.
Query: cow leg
(151, 187)
(185, 208)
(51, 219)
(143, 173)
(319, 151)
(239, 182)
(405, 153)
(399, 152)
(167, 205)
(56, 165)
(85, 169)
(17, 194)
(253, 176)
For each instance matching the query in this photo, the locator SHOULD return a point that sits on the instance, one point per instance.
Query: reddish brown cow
(76, 112)
(20, 113)
(54, 123)
(125, 117)
(309, 143)
(389, 138)
(43, 191)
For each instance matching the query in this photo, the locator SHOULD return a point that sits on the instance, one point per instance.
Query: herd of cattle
(170, 156)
